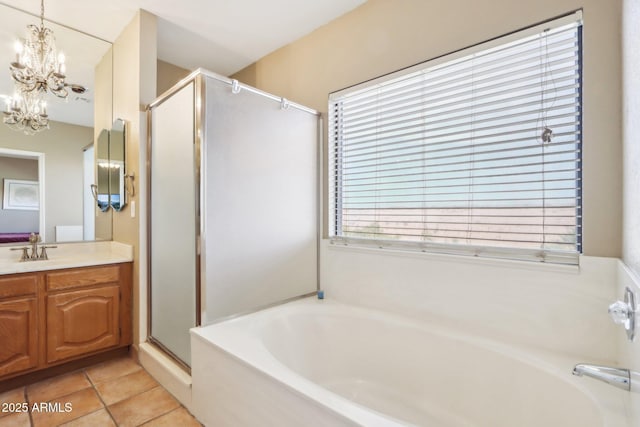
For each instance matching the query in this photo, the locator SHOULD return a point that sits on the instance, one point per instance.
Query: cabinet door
(18, 336)
(81, 322)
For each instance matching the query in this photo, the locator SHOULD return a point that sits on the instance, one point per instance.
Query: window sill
(443, 257)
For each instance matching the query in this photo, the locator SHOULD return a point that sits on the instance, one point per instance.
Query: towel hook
(128, 178)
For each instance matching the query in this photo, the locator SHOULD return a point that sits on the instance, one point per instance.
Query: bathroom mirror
(101, 187)
(117, 172)
(63, 158)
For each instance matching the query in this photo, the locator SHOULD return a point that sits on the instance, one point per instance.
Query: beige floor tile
(112, 369)
(178, 417)
(118, 389)
(18, 419)
(55, 387)
(143, 407)
(82, 402)
(99, 418)
(12, 396)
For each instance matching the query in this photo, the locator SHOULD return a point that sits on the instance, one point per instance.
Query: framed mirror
(63, 158)
(117, 170)
(103, 171)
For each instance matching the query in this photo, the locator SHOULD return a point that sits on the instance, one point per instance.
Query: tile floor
(114, 393)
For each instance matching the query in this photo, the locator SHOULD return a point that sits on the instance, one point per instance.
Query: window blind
(475, 153)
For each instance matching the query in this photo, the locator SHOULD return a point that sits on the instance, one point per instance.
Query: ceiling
(220, 35)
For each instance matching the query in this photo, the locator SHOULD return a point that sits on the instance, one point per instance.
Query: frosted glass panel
(173, 230)
(260, 205)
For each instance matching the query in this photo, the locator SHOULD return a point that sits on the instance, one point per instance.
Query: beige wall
(134, 85)
(15, 220)
(385, 35)
(168, 75)
(62, 146)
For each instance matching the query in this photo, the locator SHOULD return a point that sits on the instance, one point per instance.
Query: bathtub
(321, 363)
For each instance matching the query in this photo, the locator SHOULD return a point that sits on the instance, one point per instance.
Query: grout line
(61, 396)
(26, 399)
(112, 378)
(84, 371)
(161, 415)
(76, 391)
(77, 418)
(104, 405)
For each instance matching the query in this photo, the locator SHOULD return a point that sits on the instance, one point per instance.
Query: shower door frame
(198, 99)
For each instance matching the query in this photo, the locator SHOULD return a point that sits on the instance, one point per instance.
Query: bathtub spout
(617, 377)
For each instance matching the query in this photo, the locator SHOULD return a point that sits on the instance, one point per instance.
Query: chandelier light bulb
(17, 46)
(61, 65)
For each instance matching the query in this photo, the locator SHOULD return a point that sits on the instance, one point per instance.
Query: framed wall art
(20, 194)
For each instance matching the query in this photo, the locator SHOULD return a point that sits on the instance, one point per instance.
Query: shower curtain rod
(285, 103)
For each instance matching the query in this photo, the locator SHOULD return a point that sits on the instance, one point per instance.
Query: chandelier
(37, 69)
(27, 113)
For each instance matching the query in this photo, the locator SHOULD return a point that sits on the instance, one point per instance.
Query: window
(477, 152)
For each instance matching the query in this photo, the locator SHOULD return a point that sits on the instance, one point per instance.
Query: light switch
(133, 209)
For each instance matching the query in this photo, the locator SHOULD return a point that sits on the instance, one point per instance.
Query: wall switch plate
(133, 208)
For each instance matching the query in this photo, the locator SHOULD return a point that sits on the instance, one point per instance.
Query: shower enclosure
(233, 223)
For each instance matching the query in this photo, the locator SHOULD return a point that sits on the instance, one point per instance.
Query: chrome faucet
(34, 239)
(617, 377)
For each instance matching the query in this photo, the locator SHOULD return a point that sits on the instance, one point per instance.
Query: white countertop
(66, 255)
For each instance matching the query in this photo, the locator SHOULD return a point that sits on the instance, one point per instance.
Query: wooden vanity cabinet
(52, 317)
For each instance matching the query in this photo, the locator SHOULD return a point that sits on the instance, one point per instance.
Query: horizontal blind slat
(463, 129)
(492, 169)
(446, 144)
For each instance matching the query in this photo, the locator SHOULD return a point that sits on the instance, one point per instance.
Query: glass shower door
(173, 224)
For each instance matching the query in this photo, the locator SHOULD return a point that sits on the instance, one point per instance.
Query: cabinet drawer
(83, 277)
(18, 286)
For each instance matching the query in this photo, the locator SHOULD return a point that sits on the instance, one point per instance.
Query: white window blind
(453, 155)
